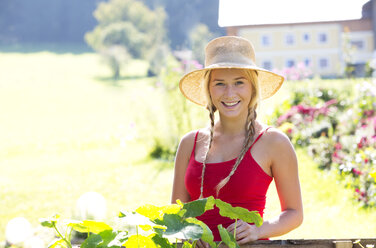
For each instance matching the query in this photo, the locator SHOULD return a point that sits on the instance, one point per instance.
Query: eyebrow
(233, 79)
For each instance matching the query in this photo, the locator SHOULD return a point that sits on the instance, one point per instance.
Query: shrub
(338, 130)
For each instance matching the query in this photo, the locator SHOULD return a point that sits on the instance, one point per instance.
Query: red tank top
(247, 187)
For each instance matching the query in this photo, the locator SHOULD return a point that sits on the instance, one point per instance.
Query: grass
(67, 129)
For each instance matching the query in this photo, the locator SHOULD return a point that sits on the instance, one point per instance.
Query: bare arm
(181, 163)
(284, 167)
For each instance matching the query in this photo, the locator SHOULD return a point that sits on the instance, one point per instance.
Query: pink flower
(362, 142)
(331, 102)
(356, 172)
(338, 146)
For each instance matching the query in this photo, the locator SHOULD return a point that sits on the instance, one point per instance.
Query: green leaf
(49, 222)
(89, 226)
(187, 245)
(234, 213)
(105, 239)
(140, 241)
(59, 243)
(154, 212)
(93, 241)
(119, 239)
(180, 228)
(198, 207)
(227, 237)
(162, 242)
(207, 234)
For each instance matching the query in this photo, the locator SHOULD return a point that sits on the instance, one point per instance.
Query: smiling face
(231, 92)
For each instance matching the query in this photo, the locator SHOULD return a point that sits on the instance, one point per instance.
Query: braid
(250, 129)
(249, 126)
(211, 115)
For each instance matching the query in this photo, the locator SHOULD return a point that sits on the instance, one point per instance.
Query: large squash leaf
(234, 213)
(227, 237)
(198, 207)
(179, 228)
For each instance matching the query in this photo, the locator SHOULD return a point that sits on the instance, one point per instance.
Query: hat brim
(192, 84)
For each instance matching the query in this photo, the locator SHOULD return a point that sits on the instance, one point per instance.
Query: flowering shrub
(298, 72)
(339, 131)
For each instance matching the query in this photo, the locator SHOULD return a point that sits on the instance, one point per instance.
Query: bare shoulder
(279, 145)
(276, 137)
(187, 141)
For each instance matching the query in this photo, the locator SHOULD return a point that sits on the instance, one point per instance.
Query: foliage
(181, 115)
(199, 36)
(183, 16)
(155, 226)
(339, 131)
(128, 24)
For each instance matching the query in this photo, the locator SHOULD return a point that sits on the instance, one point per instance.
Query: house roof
(260, 12)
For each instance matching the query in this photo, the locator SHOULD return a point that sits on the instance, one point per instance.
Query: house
(329, 46)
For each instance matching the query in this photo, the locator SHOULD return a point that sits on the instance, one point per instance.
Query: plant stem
(61, 236)
(194, 244)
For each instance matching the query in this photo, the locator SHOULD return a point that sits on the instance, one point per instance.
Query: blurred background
(89, 102)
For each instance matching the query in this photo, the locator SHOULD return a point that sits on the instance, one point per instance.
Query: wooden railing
(305, 243)
(309, 243)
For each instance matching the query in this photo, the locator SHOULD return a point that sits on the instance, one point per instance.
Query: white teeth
(230, 103)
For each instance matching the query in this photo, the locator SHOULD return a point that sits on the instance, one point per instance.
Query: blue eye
(219, 84)
(239, 82)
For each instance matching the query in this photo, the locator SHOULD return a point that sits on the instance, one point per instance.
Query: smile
(230, 104)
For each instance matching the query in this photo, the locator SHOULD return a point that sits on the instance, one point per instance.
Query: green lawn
(66, 129)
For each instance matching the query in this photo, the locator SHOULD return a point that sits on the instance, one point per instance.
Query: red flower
(356, 172)
(362, 142)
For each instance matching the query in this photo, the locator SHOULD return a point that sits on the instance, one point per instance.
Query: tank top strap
(194, 144)
(258, 137)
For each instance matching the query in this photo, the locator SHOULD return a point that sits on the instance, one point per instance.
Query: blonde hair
(249, 127)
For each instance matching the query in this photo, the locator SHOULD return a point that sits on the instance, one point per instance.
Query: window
(289, 39)
(267, 65)
(306, 37)
(307, 62)
(358, 44)
(323, 38)
(290, 63)
(266, 40)
(323, 63)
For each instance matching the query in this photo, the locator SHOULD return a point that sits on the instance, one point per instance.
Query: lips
(230, 104)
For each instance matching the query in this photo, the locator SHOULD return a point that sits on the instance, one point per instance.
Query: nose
(229, 91)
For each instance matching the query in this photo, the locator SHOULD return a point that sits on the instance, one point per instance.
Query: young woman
(237, 157)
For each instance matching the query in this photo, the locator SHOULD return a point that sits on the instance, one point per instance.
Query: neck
(234, 126)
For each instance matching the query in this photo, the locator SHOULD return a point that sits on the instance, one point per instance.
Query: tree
(199, 37)
(129, 24)
(183, 16)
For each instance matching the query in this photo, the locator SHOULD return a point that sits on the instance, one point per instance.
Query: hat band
(233, 59)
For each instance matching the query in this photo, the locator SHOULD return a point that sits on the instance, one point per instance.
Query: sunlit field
(66, 128)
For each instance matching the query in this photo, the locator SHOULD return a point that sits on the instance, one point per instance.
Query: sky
(253, 12)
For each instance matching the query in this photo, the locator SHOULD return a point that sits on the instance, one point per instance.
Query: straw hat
(228, 52)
